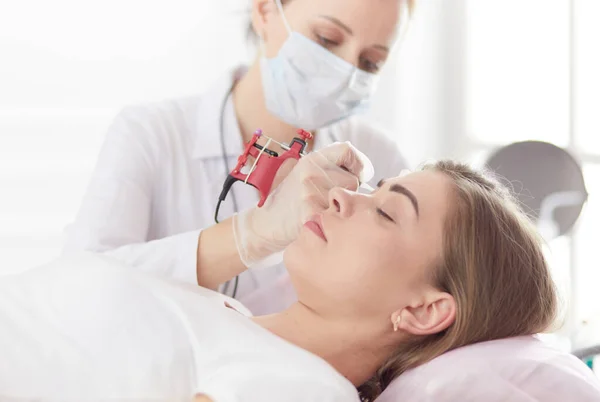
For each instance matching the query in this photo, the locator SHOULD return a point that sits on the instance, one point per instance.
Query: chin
(293, 255)
(301, 278)
(299, 260)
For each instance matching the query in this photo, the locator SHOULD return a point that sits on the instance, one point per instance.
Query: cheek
(369, 278)
(372, 258)
(424, 248)
(306, 259)
(276, 35)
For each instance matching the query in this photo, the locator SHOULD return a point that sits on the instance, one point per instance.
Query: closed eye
(368, 66)
(382, 213)
(325, 42)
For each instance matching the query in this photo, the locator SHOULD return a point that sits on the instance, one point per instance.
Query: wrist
(255, 236)
(217, 258)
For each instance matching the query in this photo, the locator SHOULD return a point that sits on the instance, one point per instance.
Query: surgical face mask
(309, 87)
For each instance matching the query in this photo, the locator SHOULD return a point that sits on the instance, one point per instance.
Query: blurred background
(470, 77)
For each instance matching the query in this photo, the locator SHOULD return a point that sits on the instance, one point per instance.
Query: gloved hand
(262, 232)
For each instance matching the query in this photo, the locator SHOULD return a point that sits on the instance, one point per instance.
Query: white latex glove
(262, 232)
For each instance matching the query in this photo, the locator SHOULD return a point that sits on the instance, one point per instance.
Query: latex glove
(262, 232)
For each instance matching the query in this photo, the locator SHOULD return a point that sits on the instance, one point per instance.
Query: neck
(251, 111)
(342, 343)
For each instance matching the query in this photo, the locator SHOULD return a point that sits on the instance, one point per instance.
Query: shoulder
(374, 141)
(176, 122)
(156, 127)
(161, 116)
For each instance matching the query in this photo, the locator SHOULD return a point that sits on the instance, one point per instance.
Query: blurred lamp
(547, 180)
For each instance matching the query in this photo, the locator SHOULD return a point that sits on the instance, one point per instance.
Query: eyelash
(382, 213)
(366, 65)
(325, 42)
(369, 66)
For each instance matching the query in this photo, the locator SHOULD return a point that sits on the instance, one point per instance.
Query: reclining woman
(429, 262)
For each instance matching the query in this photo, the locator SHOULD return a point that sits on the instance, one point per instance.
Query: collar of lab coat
(207, 142)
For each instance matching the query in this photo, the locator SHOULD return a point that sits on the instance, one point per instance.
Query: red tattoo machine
(265, 164)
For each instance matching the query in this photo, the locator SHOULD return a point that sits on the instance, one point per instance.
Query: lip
(315, 225)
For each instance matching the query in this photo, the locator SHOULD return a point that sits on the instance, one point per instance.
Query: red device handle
(263, 174)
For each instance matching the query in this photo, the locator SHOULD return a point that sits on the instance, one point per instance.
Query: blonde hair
(492, 264)
(251, 35)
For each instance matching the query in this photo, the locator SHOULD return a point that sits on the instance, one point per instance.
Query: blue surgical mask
(309, 87)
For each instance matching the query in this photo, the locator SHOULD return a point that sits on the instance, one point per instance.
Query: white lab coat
(158, 177)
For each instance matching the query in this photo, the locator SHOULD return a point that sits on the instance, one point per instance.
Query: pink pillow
(516, 369)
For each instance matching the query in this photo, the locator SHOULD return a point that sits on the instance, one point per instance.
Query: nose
(342, 201)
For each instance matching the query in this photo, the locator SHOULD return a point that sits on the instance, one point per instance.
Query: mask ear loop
(285, 21)
(288, 28)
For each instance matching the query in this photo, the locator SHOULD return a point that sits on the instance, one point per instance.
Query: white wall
(410, 102)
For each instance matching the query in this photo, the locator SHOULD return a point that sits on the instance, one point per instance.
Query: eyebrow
(347, 29)
(338, 23)
(381, 47)
(400, 189)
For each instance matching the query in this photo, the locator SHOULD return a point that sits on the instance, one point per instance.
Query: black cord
(217, 211)
(226, 187)
(226, 164)
(235, 286)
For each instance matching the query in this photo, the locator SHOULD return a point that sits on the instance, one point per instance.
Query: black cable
(235, 286)
(226, 164)
(226, 187)
(217, 211)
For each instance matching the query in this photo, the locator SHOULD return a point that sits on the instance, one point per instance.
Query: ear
(261, 11)
(433, 314)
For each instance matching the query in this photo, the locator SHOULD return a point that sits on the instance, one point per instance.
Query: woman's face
(372, 254)
(361, 32)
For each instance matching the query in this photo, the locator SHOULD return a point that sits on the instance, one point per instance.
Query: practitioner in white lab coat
(162, 166)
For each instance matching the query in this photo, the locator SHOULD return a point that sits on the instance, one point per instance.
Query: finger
(312, 207)
(345, 155)
(319, 184)
(319, 171)
(357, 163)
(317, 190)
(341, 178)
(336, 176)
(322, 167)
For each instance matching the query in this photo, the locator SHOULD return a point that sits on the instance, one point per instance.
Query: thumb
(357, 163)
(346, 156)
